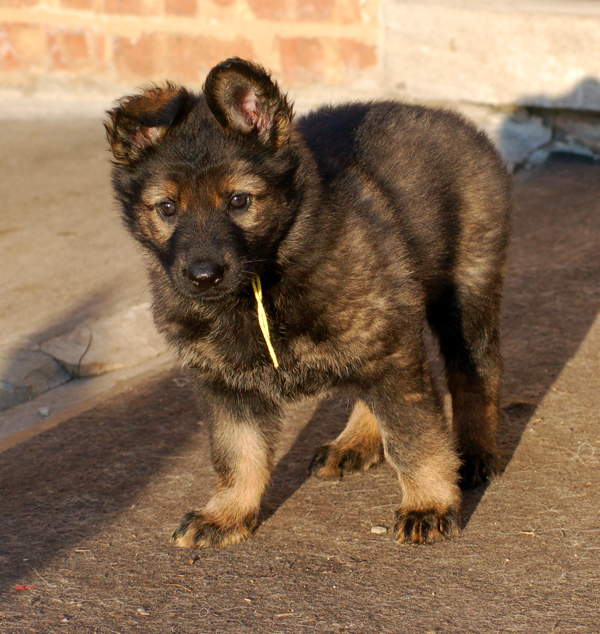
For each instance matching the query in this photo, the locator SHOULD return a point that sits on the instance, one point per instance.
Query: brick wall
(105, 43)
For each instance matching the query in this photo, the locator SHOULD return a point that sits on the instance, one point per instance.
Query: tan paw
(425, 527)
(198, 531)
(331, 462)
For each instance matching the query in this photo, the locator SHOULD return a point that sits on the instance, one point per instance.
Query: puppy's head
(207, 183)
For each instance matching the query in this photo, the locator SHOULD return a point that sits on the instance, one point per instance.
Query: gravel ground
(87, 507)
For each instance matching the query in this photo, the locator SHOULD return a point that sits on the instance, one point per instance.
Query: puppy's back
(441, 176)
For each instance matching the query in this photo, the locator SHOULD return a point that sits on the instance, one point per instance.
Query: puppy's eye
(167, 208)
(239, 202)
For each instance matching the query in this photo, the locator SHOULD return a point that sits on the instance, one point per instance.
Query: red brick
(356, 56)
(272, 9)
(83, 5)
(100, 44)
(75, 50)
(18, 4)
(9, 58)
(72, 46)
(22, 47)
(181, 7)
(190, 57)
(133, 7)
(302, 60)
(315, 10)
(137, 59)
(130, 7)
(348, 11)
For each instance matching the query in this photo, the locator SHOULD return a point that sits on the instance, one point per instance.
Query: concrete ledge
(535, 53)
(52, 408)
(110, 343)
(124, 340)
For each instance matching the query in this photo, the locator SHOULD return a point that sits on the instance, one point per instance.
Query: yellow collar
(262, 318)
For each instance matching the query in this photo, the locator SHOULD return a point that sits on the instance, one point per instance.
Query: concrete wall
(527, 71)
(542, 53)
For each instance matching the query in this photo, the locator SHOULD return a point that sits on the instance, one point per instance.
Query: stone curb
(124, 340)
(110, 343)
(29, 419)
(525, 135)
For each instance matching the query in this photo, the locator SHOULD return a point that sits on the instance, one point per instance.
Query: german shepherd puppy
(362, 224)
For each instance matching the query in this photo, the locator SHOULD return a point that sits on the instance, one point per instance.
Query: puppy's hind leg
(242, 453)
(467, 327)
(357, 448)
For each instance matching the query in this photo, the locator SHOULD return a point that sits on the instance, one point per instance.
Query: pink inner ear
(145, 137)
(252, 114)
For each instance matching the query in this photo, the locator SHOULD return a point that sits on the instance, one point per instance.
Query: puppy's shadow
(551, 296)
(291, 472)
(513, 420)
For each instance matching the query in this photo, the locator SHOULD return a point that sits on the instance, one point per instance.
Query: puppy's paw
(330, 461)
(198, 531)
(425, 527)
(477, 469)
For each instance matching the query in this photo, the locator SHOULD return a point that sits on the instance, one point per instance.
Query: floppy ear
(245, 100)
(140, 121)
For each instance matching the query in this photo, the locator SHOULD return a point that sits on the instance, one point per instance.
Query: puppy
(350, 229)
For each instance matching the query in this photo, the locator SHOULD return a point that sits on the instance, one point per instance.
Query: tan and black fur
(365, 222)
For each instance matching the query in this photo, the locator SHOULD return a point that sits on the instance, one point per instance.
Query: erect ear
(140, 121)
(244, 99)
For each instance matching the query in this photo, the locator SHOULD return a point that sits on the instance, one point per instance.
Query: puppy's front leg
(242, 450)
(418, 444)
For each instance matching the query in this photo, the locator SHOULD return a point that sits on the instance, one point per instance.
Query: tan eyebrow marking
(157, 192)
(246, 183)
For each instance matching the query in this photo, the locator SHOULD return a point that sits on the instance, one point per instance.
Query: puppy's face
(206, 182)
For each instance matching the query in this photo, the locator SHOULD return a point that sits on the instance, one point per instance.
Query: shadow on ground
(552, 291)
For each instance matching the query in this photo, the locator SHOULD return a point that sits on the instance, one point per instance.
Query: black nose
(205, 274)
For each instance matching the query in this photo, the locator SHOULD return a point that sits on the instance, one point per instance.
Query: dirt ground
(64, 249)
(87, 507)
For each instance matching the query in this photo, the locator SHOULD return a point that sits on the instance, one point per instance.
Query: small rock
(378, 530)
(143, 611)
(44, 411)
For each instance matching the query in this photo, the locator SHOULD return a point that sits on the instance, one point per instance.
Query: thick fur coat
(364, 223)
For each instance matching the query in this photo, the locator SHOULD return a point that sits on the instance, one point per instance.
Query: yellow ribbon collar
(262, 318)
